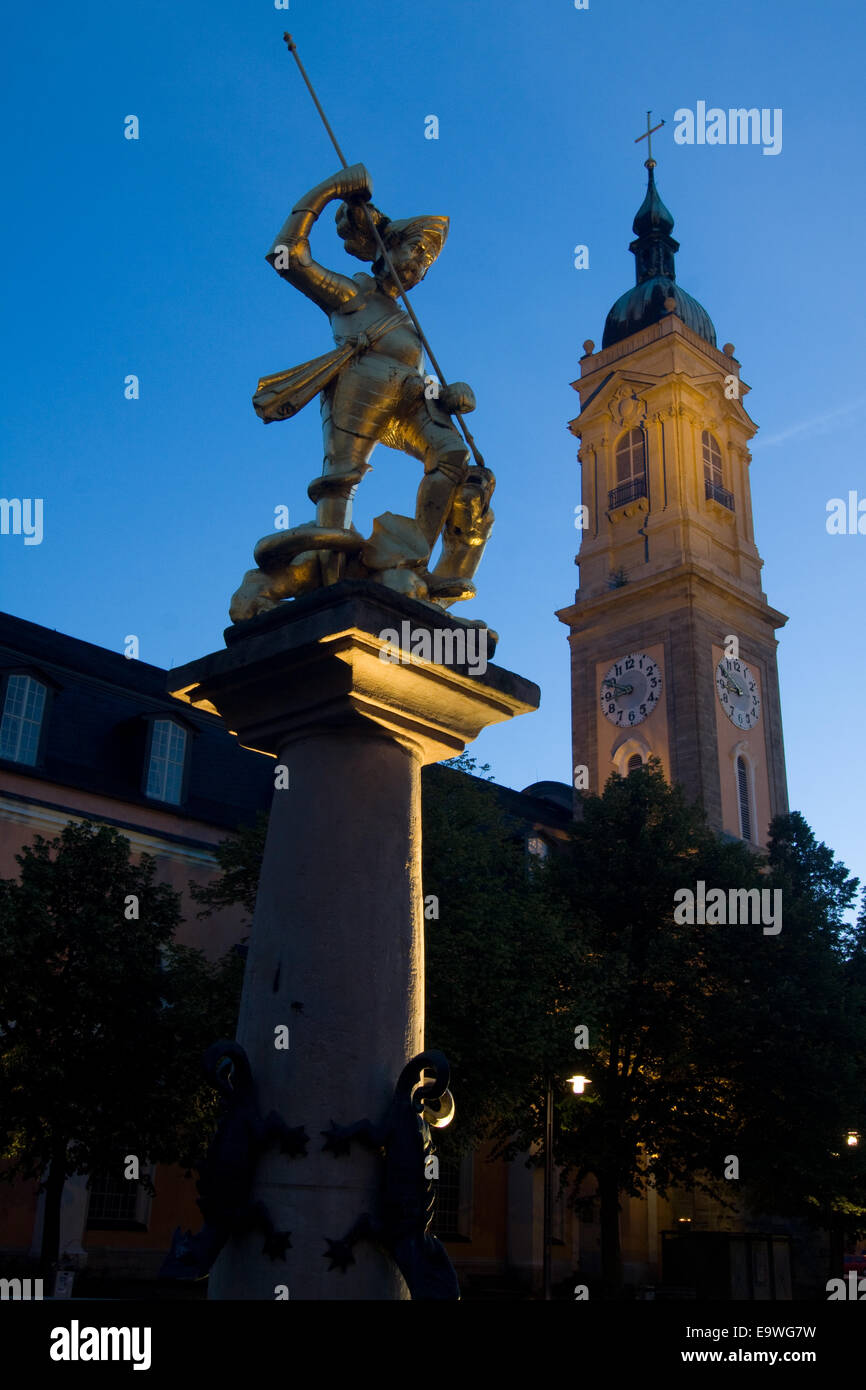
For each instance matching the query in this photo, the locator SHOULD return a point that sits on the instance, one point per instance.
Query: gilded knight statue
(373, 389)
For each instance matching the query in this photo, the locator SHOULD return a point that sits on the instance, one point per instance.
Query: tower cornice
(628, 347)
(688, 580)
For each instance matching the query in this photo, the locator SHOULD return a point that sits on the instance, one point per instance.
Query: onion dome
(655, 277)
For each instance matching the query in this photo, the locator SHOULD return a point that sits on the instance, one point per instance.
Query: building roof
(649, 301)
(97, 725)
(532, 809)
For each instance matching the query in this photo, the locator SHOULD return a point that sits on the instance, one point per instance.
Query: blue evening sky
(147, 257)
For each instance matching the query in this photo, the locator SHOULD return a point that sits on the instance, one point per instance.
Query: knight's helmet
(353, 228)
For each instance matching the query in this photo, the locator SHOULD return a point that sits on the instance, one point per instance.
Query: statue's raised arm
(290, 253)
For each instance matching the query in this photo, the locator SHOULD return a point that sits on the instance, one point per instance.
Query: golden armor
(373, 389)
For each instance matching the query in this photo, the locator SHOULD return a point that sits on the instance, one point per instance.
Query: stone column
(336, 952)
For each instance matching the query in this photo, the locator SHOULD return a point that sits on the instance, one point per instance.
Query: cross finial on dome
(649, 162)
(655, 288)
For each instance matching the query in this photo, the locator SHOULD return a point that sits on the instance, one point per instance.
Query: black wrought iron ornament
(407, 1204)
(226, 1176)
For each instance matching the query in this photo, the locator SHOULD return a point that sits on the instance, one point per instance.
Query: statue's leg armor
(346, 462)
(453, 499)
(429, 434)
(467, 528)
(355, 410)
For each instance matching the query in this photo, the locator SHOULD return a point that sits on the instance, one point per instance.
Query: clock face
(631, 689)
(738, 692)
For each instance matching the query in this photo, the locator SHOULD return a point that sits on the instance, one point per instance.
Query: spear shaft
(464, 429)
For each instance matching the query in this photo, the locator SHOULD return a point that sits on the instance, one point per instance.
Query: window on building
(23, 709)
(712, 459)
(630, 457)
(713, 473)
(537, 846)
(453, 1213)
(744, 798)
(634, 762)
(447, 1216)
(167, 761)
(630, 469)
(117, 1203)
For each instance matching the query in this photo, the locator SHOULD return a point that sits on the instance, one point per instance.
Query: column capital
(330, 659)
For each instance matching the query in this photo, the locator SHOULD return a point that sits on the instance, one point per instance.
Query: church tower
(673, 648)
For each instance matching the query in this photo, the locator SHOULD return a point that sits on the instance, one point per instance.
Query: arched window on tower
(744, 798)
(630, 469)
(713, 473)
(634, 762)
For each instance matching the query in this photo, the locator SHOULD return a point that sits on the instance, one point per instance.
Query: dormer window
(713, 476)
(23, 712)
(166, 761)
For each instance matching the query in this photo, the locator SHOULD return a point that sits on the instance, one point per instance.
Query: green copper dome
(655, 277)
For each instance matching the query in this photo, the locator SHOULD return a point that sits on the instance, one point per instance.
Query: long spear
(292, 47)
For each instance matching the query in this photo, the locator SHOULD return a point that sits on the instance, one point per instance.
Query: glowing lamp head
(579, 1084)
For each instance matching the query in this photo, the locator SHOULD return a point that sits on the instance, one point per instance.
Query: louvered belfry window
(744, 799)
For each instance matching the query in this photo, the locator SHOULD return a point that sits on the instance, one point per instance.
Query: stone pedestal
(336, 952)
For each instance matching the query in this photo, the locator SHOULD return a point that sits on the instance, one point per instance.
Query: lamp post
(578, 1085)
(548, 1190)
(836, 1219)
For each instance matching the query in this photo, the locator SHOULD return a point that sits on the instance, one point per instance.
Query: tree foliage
(103, 1018)
(798, 1056)
(706, 1040)
(240, 862)
(496, 958)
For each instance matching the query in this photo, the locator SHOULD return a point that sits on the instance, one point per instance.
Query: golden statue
(373, 389)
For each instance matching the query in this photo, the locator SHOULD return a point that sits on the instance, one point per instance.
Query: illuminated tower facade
(673, 646)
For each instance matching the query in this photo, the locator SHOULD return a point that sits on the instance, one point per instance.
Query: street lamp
(578, 1084)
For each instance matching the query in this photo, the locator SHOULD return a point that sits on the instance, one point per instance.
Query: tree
(706, 1041)
(495, 955)
(102, 1018)
(798, 1057)
(240, 862)
(659, 1105)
